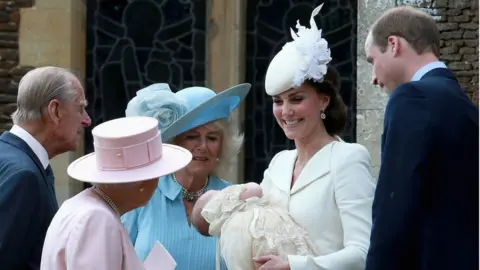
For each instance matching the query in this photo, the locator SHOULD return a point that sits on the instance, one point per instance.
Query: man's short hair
(38, 87)
(417, 27)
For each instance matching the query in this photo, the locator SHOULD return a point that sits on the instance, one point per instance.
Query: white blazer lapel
(281, 175)
(317, 166)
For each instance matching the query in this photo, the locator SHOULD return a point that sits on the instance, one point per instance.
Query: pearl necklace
(191, 196)
(106, 199)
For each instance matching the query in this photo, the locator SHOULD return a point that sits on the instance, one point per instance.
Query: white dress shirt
(36, 147)
(426, 68)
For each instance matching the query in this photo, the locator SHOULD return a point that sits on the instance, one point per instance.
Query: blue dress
(164, 219)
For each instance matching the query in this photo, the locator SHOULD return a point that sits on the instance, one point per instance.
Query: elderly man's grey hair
(38, 87)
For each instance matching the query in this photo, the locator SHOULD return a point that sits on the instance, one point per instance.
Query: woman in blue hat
(197, 119)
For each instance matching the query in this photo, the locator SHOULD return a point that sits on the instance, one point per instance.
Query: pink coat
(87, 234)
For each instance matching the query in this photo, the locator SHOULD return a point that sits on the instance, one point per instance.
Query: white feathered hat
(305, 57)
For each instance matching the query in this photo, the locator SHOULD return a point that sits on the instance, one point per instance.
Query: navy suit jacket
(425, 211)
(27, 205)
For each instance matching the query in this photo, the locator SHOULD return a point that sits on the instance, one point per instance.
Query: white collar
(426, 68)
(37, 148)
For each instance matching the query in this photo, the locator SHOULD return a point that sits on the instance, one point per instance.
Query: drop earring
(218, 159)
(141, 189)
(323, 116)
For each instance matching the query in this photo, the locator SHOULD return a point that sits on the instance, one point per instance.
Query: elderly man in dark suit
(48, 121)
(425, 211)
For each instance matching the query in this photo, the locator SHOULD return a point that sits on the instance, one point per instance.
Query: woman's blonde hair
(231, 143)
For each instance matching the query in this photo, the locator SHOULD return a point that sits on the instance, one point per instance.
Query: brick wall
(458, 25)
(10, 72)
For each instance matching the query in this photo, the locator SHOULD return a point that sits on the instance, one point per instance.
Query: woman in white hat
(86, 232)
(325, 182)
(197, 119)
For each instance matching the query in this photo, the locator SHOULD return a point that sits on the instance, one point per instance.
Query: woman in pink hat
(86, 232)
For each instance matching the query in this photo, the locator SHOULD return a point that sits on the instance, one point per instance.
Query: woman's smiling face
(298, 111)
(205, 144)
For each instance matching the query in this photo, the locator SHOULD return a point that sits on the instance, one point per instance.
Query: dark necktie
(50, 178)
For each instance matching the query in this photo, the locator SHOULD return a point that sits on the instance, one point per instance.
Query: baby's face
(251, 190)
(202, 226)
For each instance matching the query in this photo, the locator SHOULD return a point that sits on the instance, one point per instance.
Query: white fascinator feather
(314, 49)
(304, 58)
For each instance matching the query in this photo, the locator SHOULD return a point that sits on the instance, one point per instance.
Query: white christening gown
(251, 228)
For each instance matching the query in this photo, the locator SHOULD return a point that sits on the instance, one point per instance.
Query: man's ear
(53, 111)
(394, 44)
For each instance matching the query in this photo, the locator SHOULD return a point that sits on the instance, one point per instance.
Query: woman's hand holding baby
(271, 262)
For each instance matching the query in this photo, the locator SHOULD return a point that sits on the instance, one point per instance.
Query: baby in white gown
(248, 226)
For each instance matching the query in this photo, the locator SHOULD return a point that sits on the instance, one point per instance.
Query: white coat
(332, 199)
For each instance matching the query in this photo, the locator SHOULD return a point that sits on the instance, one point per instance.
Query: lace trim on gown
(272, 230)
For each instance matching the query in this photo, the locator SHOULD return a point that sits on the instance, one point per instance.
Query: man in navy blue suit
(49, 119)
(425, 211)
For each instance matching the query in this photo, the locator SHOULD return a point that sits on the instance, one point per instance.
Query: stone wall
(458, 25)
(10, 72)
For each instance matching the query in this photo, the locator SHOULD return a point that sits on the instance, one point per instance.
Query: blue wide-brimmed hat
(186, 109)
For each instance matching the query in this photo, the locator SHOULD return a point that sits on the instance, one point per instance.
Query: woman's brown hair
(336, 113)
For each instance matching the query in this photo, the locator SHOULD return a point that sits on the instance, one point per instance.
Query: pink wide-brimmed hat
(128, 149)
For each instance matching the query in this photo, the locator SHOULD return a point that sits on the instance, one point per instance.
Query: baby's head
(251, 190)
(197, 219)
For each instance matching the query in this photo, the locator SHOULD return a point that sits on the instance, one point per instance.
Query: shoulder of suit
(417, 89)
(7, 150)
(346, 153)
(96, 216)
(341, 150)
(17, 161)
(401, 98)
(20, 177)
(408, 88)
(283, 155)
